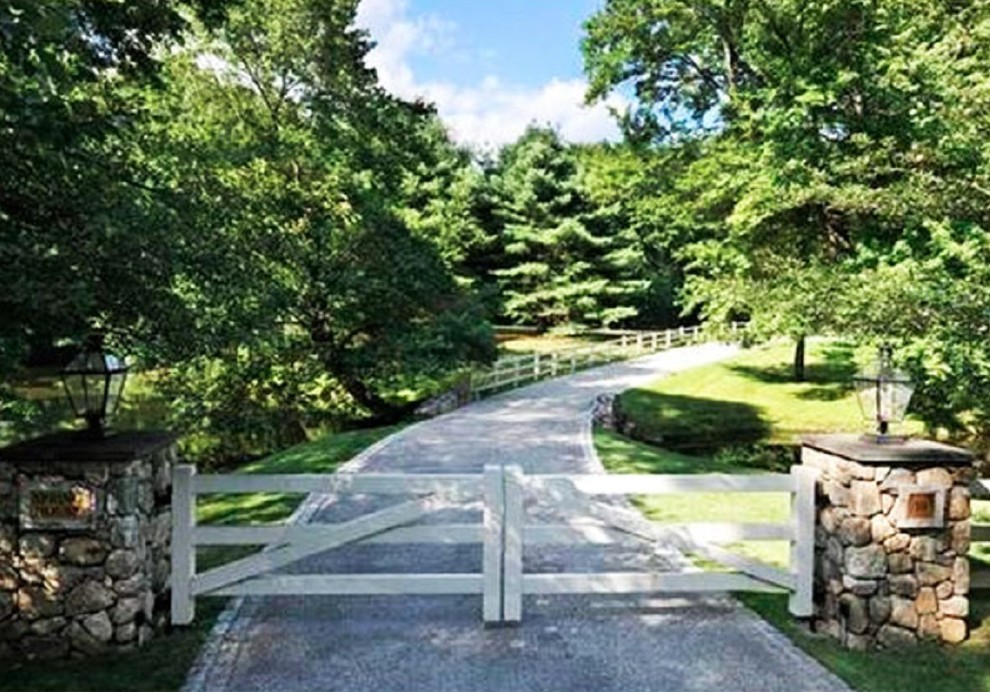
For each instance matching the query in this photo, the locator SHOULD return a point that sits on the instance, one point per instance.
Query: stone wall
(84, 591)
(880, 585)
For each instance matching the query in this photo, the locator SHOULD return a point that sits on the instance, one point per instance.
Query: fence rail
(980, 533)
(509, 372)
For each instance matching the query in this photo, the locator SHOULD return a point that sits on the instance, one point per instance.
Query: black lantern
(94, 381)
(884, 393)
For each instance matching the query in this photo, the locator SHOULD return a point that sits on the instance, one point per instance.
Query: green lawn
(750, 398)
(706, 403)
(542, 343)
(164, 662)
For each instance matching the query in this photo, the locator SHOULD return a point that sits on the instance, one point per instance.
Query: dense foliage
(229, 200)
(832, 166)
(227, 191)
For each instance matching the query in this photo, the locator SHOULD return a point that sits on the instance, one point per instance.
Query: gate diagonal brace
(347, 532)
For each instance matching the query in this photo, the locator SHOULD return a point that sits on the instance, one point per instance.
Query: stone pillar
(84, 543)
(891, 540)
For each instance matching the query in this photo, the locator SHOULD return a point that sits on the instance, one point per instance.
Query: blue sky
(491, 66)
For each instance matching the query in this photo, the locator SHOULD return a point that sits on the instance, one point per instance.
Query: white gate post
(803, 543)
(183, 550)
(494, 529)
(670, 339)
(512, 586)
(653, 342)
(536, 366)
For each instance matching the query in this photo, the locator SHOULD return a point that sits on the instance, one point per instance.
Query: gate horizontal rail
(980, 533)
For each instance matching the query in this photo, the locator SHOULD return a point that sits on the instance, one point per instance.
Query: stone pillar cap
(79, 447)
(893, 453)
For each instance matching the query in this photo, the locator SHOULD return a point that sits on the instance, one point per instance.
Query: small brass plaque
(920, 507)
(57, 505)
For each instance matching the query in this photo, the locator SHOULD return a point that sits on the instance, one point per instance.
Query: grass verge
(750, 398)
(165, 661)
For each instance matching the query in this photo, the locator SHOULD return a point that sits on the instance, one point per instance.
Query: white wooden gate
(605, 523)
(288, 543)
(503, 532)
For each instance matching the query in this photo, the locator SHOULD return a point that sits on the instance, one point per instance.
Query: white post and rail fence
(509, 372)
(503, 530)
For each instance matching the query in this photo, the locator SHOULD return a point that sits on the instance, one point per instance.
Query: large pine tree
(558, 258)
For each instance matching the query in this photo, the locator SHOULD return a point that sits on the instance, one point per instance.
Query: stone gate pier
(891, 540)
(84, 543)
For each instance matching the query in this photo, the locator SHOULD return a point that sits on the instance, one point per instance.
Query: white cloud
(487, 114)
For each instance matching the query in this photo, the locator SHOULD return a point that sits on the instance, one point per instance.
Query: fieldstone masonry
(891, 541)
(85, 528)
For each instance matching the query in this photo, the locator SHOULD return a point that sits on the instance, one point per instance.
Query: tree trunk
(799, 359)
(384, 412)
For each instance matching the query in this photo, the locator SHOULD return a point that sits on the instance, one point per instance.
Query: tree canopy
(831, 144)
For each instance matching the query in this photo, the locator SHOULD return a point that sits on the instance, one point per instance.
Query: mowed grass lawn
(751, 398)
(165, 661)
(785, 410)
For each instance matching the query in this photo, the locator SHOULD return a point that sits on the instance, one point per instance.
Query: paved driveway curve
(567, 643)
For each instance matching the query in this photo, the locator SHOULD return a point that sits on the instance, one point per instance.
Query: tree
(850, 126)
(83, 241)
(287, 161)
(559, 254)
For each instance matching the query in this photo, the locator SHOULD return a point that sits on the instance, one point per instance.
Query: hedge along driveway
(564, 643)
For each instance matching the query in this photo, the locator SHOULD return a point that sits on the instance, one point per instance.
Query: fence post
(536, 366)
(624, 342)
(512, 584)
(653, 342)
(183, 550)
(670, 339)
(553, 364)
(639, 342)
(801, 602)
(494, 522)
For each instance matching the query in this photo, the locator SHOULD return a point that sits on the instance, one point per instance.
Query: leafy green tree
(82, 241)
(288, 162)
(848, 129)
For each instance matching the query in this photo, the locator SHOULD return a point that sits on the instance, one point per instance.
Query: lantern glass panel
(883, 392)
(95, 389)
(114, 391)
(74, 390)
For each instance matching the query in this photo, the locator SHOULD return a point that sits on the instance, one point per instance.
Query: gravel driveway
(598, 643)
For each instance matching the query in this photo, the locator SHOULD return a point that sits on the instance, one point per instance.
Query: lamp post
(884, 393)
(94, 381)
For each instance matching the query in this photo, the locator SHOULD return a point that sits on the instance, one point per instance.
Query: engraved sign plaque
(920, 507)
(57, 505)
